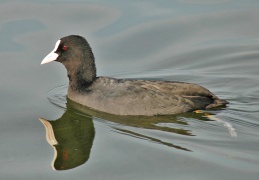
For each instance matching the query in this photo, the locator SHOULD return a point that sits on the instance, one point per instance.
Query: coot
(124, 96)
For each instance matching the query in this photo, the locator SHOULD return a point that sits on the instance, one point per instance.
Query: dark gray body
(124, 97)
(141, 97)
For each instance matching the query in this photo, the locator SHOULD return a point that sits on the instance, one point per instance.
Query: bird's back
(142, 97)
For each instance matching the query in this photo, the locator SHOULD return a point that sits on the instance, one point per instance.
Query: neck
(81, 69)
(81, 78)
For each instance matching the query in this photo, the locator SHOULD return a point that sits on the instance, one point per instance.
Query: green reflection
(146, 122)
(72, 135)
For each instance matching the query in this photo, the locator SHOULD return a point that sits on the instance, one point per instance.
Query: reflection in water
(230, 128)
(72, 135)
(146, 122)
(123, 131)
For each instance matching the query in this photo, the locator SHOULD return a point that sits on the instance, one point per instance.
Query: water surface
(214, 44)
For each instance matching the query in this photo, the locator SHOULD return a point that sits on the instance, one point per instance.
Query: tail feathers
(217, 103)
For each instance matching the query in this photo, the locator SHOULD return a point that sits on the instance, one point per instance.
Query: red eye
(64, 48)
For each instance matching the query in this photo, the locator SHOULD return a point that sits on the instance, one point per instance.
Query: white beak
(52, 56)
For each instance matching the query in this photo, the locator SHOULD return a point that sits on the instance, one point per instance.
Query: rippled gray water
(214, 44)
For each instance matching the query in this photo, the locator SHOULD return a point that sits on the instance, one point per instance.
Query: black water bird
(122, 96)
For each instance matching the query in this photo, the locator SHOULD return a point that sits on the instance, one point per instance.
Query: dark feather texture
(126, 97)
